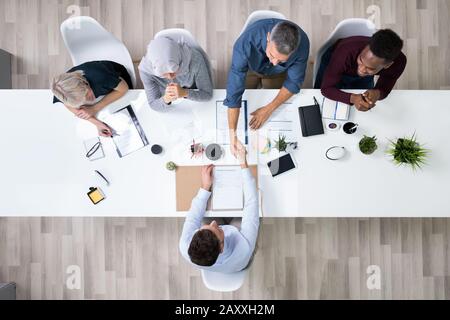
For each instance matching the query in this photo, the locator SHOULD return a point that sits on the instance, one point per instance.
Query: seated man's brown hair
(204, 248)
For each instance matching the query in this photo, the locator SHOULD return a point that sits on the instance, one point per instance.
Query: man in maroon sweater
(353, 62)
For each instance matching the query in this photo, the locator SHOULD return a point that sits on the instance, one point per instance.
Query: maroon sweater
(344, 61)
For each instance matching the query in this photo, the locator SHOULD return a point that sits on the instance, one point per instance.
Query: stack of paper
(228, 193)
(335, 110)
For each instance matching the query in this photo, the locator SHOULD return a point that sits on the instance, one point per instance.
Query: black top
(102, 76)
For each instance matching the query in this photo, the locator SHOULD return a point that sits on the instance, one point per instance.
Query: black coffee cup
(350, 128)
(213, 152)
(157, 149)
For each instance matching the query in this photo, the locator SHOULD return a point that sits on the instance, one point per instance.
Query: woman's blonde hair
(71, 88)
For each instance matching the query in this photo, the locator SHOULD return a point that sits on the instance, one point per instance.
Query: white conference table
(44, 172)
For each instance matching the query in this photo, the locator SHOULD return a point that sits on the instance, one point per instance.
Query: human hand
(234, 145)
(85, 113)
(207, 177)
(175, 90)
(241, 154)
(169, 95)
(372, 96)
(260, 116)
(104, 130)
(358, 100)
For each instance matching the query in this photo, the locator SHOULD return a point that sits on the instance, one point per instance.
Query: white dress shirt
(238, 244)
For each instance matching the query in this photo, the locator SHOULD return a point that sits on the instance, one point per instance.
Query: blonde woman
(79, 88)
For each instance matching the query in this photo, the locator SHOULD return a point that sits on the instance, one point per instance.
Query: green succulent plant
(281, 143)
(407, 151)
(171, 166)
(368, 145)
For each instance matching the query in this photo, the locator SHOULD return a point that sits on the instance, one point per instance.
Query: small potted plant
(281, 143)
(407, 151)
(171, 166)
(368, 145)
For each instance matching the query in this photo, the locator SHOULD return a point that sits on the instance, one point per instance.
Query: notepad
(311, 120)
(228, 192)
(335, 110)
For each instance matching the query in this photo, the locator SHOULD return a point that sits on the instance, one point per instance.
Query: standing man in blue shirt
(268, 50)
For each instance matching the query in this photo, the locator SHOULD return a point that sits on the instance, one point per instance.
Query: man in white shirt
(225, 248)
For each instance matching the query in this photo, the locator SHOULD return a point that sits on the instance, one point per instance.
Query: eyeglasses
(93, 150)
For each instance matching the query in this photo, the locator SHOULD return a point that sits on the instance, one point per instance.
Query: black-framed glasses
(93, 150)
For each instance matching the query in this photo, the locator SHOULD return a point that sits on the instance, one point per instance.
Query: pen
(354, 128)
(315, 101)
(102, 176)
(365, 99)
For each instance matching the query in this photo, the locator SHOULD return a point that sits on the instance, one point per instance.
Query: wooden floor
(297, 259)
(30, 31)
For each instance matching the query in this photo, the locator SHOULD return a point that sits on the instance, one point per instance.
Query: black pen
(365, 99)
(102, 176)
(316, 102)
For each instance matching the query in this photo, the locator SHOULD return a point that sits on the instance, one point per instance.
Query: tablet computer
(281, 165)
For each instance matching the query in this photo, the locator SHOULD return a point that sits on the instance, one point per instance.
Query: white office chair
(224, 282)
(346, 28)
(260, 15)
(86, 40)
(184, 35)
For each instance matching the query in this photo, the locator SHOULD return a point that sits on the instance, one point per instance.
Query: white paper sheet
(127, 137)
(223, 133)
(281, 123)
(228, 193)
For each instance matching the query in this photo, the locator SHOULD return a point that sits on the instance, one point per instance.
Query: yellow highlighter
(96, 195)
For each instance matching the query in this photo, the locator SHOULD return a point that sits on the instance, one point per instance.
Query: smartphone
(281, 165)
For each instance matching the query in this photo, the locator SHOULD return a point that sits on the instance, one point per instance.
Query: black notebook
(311, 120)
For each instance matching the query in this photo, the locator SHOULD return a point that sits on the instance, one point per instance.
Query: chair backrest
(177, 35)
(223, 282)
(260, 15)
(87, 40)
(346, 28)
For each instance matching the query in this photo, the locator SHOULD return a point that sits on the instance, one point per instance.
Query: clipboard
(188, 182)
(128, 135)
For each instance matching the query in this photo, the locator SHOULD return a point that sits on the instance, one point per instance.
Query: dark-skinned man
(353, 62)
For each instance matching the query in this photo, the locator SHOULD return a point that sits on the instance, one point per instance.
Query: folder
(311, 120)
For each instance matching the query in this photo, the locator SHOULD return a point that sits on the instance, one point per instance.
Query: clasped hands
(366, 101)
(173, 92)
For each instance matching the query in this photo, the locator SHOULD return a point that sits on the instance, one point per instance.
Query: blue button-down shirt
(249, 52)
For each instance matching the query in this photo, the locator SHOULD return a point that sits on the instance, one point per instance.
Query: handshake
(238, 151)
